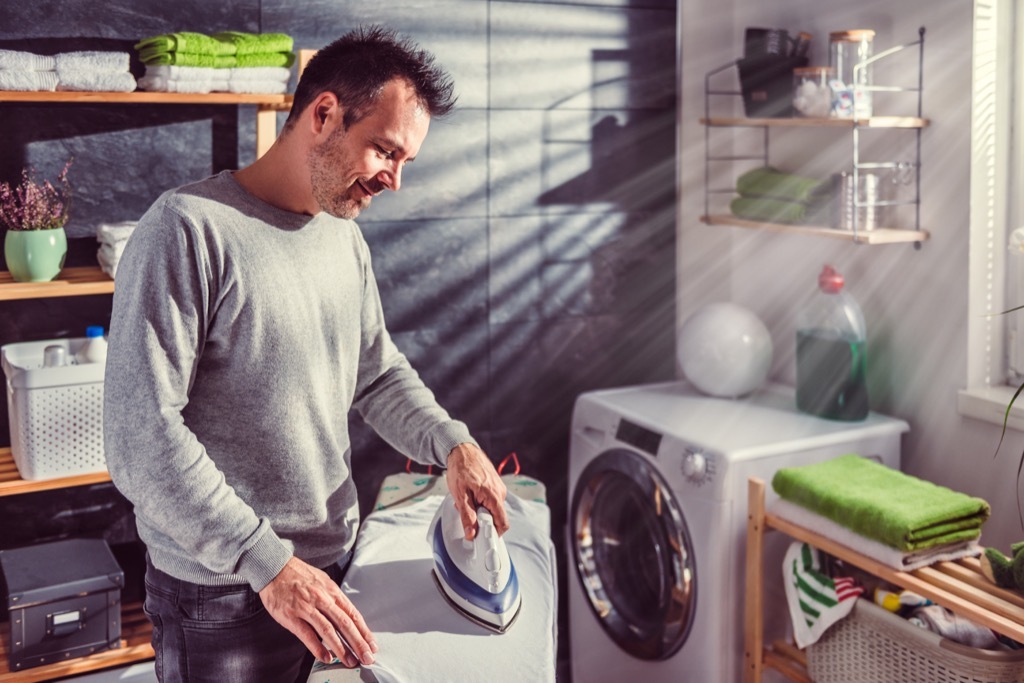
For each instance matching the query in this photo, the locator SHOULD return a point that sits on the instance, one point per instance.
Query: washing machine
(657, 523)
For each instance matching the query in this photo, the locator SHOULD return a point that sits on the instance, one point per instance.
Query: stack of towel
(27, 71)
(94, 71)
(112, 238)
(230, 61)
(899, 520)
(770, 195)
(86, 70)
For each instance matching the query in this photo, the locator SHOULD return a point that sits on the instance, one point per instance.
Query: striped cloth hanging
(816, 600)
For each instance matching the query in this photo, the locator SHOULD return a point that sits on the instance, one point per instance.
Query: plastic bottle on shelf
(831, 341)
(95, 348)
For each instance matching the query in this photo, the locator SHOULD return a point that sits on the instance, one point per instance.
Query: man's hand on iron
(473, 482)
(308, 603)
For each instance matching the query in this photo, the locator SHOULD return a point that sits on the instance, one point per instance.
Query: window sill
(989, 404)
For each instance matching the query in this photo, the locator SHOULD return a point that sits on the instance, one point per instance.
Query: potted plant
(34, 215)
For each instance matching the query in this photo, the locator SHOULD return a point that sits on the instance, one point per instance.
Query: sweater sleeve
(162, 306)
(391, 396)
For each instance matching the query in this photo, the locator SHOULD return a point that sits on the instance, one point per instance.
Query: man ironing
(245, 325)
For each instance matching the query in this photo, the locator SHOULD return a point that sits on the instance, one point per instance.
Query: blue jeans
(221, 634)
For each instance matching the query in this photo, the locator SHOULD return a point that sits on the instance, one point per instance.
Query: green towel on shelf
(265, 59)
(770, 182)
(185, 42)
(256, 43)
(770, 210)
(189, 59)
(883, 504)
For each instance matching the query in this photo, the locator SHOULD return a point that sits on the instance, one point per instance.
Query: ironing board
(404, 489)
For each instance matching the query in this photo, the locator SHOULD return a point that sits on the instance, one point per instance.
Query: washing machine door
(633, 554)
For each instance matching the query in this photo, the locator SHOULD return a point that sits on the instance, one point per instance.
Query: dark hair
(358, 65)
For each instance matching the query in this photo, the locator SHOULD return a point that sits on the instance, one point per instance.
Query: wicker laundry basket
(872, 645)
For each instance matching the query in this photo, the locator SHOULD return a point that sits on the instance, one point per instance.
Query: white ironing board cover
(421, 637)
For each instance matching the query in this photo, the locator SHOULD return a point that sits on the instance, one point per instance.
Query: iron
(476, 577)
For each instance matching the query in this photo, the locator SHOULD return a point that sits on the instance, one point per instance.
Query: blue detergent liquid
(831, 375)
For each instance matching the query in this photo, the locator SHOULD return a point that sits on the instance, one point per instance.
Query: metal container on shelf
(857, 201)
(848, 50)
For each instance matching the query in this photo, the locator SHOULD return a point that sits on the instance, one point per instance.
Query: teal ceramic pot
(35, 255)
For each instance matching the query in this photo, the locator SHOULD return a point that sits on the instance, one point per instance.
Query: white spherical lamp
(725, 350)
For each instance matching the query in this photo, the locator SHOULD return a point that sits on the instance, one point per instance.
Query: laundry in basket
(56, 412)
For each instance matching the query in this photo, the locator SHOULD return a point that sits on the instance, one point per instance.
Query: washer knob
(695, 466)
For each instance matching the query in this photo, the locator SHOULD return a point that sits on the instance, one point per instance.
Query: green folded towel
(256, 43)
(883, 504)
(265, 59)
(770, 182)
(771, 210)
(188, 59)
(186, 42)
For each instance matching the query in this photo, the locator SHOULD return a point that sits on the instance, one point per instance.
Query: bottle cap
(830, 281)
(94, 331)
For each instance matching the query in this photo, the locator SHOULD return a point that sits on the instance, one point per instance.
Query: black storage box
(766, 82)
(64, 600)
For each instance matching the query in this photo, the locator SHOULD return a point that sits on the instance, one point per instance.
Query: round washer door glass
(633, 554)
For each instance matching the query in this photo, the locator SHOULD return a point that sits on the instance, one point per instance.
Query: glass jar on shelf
(812, 94)
(848, 50)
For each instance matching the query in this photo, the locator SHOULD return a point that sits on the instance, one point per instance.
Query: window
(996, 275)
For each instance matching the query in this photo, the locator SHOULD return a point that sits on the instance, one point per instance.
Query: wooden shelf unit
(958, 585)
(82, 281)
(857, 234)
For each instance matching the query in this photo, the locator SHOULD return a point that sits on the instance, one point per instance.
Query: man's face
(352, 166)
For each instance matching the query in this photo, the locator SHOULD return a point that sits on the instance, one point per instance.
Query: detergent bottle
(831, 341)
(95, 348)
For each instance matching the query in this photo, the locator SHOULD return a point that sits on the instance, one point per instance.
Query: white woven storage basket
(55, 414)
(872, 645)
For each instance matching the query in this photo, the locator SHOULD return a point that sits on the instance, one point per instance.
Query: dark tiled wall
(530, 253)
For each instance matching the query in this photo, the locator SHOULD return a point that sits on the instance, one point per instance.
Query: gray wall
(528, 257)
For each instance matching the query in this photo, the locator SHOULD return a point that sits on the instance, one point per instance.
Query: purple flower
(35, 206)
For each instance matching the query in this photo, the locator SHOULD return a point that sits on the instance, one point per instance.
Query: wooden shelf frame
(958, 585)
(78, 281)
(11, 483)
(136, 631)
(875, 236)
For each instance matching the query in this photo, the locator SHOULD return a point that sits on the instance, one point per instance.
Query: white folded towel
(91, 61)
(260, 73)
(96, 81)
(115, 233)
(187, 73)
(108, 263)
(157, 84)
(258, 87)
(887, 555)
(25, 61)
(28, 80)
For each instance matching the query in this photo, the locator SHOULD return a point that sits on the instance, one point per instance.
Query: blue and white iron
(476, 577)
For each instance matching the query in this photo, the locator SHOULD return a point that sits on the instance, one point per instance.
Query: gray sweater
(240, 338)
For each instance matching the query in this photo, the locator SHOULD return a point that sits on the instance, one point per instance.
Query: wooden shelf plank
(145, 97)
(995, 613)
(876, 236)
(135, 647)
(11, 483)
(801, 122)
(79, 281)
